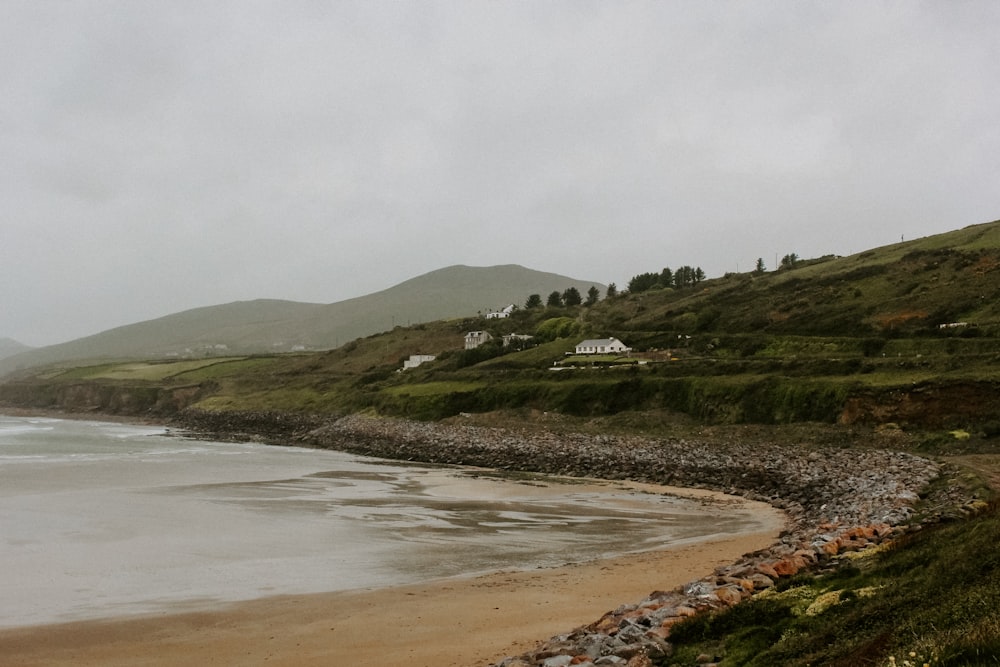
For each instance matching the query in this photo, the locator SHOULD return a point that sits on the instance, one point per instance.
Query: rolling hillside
(904, 289)
(906, 334)
(266, 326)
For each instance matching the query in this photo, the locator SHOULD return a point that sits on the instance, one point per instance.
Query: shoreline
(833, 501)
(463, 620)
(453, 622)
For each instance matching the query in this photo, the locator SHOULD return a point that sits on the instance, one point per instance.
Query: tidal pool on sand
(101, 519)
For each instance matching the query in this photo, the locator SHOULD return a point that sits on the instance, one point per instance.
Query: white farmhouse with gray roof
(602, 346)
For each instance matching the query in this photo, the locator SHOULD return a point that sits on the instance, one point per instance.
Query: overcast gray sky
(160, 156)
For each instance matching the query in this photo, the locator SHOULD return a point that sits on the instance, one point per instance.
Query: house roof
(597, 342)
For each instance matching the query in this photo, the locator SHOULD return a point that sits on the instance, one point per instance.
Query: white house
(602, 346)
(501, 313)
(417, 359)
(474, 339)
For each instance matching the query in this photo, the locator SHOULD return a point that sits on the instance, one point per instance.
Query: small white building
(474, 339)
(417, 359)
(602, 346)
(500, 314)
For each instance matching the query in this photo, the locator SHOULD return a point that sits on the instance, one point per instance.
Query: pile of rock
(249, 425)
(836, 486)
(633, 633)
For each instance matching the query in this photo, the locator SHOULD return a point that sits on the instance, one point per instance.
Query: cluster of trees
(488, 350)
(569, 297)
(689, 276)
(789, 261)
(683, 276)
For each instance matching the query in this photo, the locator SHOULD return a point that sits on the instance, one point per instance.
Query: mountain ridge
(9, 347)
(277, 325)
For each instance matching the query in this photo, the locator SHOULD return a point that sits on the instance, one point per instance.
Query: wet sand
(460, 621)
(453, 622)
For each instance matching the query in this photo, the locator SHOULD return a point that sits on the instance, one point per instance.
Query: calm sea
(102, 519)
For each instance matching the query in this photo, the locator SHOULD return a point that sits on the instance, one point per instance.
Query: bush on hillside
(557, 327)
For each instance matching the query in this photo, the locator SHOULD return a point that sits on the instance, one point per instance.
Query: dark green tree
(593, 295)
(611, 292)
(685, 276)
(666, 277)
(643, 282)
(760, 268)
(534, 301)
(571, 297)
(681, 277)
(789, 261)
(555, 299)
(488, 350)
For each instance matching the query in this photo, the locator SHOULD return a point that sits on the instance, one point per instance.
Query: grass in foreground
(932, 598)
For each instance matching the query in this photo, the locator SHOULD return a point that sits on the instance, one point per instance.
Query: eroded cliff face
(104, 398)
(926, 405)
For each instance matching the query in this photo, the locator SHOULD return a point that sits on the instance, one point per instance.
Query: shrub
(557, 327)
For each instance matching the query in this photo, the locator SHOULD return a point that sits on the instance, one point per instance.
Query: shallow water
(101, 519)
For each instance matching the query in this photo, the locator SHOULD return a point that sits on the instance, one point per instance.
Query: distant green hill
(265, 326)
(9, 347)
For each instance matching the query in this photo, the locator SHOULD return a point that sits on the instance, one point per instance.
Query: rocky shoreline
(837, 500)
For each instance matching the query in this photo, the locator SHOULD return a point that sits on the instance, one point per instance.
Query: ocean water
(104, 519)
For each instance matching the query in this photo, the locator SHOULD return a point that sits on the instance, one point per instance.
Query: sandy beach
(454, 622)
(457, 620)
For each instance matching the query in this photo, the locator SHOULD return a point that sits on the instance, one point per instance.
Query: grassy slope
(899, 289)
(930, 599)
